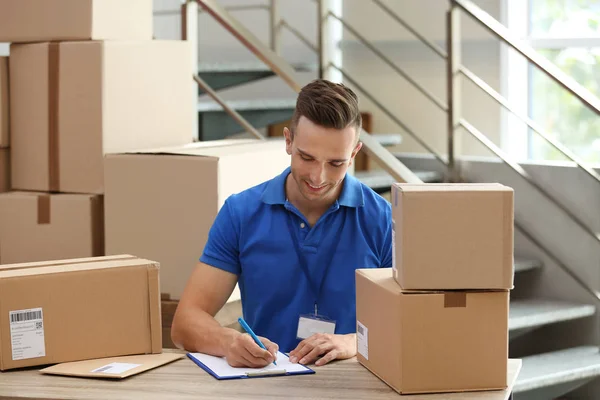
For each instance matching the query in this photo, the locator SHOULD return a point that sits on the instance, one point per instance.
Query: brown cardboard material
(453, 236)
(73, 102)
(79, 311)
(431, 342)
(109, 367)
(41, 226)
(4, 113)
(4, 170)
(60, 20)
(179, 190)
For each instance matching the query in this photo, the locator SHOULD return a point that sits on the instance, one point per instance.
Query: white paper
(309, 326)
(27, 334)
(116, 368)
(362, 335)
(222, 369)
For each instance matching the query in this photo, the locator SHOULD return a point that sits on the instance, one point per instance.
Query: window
(567, 32)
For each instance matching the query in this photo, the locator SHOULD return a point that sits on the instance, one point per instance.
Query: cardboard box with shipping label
(59, 20)
(431, 342)
(71, 310)
(453, 236)
(41, 226)
(73, 102)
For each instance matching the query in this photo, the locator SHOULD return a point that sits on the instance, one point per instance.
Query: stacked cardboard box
(181, 191)
(442, 320)
(4, 127)
(86, 79)
(78, 309)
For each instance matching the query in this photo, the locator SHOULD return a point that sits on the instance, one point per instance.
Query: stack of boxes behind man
(86, 79)
(442, 319)
(4, 126)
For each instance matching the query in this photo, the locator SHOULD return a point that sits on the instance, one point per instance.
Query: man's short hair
(328, 104)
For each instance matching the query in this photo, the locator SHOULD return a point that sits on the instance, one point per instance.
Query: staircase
(545, 375)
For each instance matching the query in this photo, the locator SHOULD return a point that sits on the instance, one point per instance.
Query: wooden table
(182, 379)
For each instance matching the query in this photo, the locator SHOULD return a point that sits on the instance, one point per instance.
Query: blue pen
(251, 333)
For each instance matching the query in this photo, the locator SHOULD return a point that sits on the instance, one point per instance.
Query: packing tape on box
(53, 88)
(453, 300)
(43, 209)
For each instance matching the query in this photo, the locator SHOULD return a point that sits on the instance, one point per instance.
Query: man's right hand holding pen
(242, 351)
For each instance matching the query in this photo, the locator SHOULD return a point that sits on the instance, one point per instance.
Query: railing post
(189, 32)
(453, 85)
(330, 34)
(275, 26)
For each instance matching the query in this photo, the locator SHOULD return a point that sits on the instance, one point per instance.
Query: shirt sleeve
(222, 247)
(387, 249)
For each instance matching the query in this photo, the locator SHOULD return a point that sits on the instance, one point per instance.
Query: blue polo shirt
(251, 237)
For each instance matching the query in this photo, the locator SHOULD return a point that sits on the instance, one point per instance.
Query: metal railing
(455, 70)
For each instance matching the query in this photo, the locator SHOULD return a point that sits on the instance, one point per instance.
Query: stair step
(558, 367)
(208, 105)
(379, 179)
(251, 66)
(525, 264)
(533, 313)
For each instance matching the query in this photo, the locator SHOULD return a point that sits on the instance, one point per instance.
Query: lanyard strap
(327, 256)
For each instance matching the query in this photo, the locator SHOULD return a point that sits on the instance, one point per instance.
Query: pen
(251, 333)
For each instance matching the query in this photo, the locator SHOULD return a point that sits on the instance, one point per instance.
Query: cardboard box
(73, 102)
(4, 170)
(453, 236)
(430, 342)
(114, 367)
(41, 226)
(4, 113)
(180, 191)
(74, 310)
(60, 20)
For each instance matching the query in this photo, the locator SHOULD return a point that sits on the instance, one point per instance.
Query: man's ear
(356, 149)
(288, 140)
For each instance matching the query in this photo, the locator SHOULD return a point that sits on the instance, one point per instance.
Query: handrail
(529, 122)
(228, 8)
(390, 115)
(387, 161)
(232, 113)
(551, 70)
(525, 175)
(434, 47)
(390, 63)
(283, 23)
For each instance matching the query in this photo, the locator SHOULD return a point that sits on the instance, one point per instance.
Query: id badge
(310, 324)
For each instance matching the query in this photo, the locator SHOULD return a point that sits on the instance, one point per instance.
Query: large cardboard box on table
(453, 236)
(161, 205)
(60, 20)
(73, 102)
(4, 101)
(4, 170)
(70, 310)
(42, 226)
(429, 342)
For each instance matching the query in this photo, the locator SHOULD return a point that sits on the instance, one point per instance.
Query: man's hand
(331, 347)
(242, 351)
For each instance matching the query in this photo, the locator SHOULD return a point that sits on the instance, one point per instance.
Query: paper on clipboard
(220, 369)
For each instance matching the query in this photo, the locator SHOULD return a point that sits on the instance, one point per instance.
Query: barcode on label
(361, 329)
(105, 368)
(25, 316)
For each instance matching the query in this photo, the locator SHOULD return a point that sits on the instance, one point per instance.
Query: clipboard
(221, 370)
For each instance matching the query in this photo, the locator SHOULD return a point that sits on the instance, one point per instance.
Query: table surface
(182, 379)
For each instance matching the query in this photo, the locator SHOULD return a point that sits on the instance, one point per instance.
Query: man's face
(320, 158)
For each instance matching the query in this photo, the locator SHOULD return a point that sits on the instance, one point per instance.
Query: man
(293, 244)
